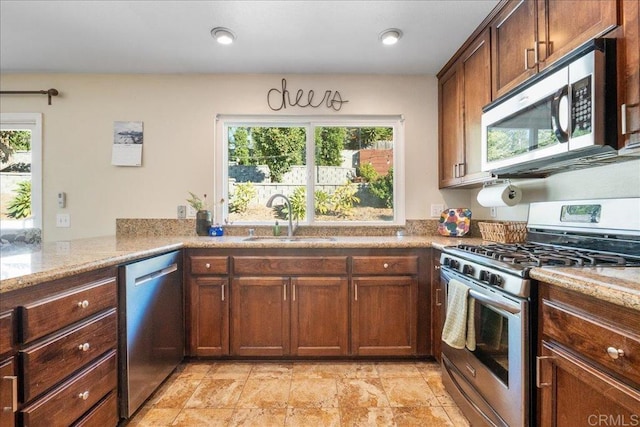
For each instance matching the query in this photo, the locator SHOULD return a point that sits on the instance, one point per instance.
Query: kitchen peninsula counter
(55, 260)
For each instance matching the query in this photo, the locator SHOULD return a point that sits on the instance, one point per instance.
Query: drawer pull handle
(539, 360)
(385, 265)
(84, 347)
(207, 266)
(614, 353)
(83, 396)
(83, 304)
(14, 393)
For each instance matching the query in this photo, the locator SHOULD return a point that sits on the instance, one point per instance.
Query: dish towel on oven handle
(459, 329)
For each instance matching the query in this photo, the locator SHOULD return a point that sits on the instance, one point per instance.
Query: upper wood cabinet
(463, 90)
(630, 74)
(529, 35)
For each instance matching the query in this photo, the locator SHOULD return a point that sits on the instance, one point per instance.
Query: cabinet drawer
(105, 413)
(49, 362)
(71, 400)
(290, 265)
(209, 264)
(385, 265)
(591, 339)
(48, 315)
(6, 332)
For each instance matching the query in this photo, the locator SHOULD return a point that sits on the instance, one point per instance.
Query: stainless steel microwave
(562, 118)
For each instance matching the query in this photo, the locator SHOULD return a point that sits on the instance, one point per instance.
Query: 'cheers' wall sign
(280, 98)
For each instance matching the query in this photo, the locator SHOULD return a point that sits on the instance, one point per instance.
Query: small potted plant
(204, 217)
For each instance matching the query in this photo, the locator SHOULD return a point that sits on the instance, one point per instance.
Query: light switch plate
(63, 220)
(191, 213)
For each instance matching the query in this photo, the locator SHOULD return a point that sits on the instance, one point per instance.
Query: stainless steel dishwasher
(151, 327)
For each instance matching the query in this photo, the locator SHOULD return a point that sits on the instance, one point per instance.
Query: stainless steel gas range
(489, 337)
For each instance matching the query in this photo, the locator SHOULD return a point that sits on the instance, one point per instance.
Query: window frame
(32, 122)
(221, 177)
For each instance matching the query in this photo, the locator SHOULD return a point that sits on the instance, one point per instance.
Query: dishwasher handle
(156, 274)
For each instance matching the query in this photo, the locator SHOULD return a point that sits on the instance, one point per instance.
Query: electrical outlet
(63, 220)
(182, 211)
(436, 209)
(191, 213)
(493, 212)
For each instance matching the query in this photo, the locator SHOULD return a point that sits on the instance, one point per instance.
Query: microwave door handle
(561, 134)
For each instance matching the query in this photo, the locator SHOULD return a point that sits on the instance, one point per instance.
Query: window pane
(354, 174)
(263, 161)
(15, 182)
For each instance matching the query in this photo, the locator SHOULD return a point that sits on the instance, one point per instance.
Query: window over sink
(334, 170)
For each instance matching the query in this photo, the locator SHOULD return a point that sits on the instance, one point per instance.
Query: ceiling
(301, 36)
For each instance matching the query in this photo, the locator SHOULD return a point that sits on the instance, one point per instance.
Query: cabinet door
(575, 393)
(260, 312)
(384, 316)
(563, 25)
(514, 49)
(450, 127)
(630, 73)
(209, 309)
(8, 393)
(476, 93)
(319, 316)
(437, 312)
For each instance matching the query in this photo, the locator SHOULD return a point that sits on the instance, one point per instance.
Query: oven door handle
(492, 302)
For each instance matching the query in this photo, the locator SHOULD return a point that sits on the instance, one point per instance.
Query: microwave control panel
(581, 108)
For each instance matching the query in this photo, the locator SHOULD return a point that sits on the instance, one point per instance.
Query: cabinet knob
(84, 347)
(614, 353)
(207, 266)
(437, 267)
(83, 304)
(84, 395)
(385, 265)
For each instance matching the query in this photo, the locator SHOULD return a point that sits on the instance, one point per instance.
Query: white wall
(178, 112)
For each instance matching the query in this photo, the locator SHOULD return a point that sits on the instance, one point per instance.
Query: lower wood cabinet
(63, 358)
(437, 306)
(588, 360)
(309, 302)
(383, 321)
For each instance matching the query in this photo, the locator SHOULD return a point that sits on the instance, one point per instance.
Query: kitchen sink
(301, 239)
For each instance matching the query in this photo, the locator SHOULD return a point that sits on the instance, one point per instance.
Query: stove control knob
(446, 261)
(454, 264)
(484, 275)
(467, 269)
(495, 280)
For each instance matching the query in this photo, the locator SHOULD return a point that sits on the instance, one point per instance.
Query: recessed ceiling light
(223, 35)
(390, 36)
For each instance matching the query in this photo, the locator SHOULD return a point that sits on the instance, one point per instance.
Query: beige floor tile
(334, 370)
(429, 369)
(271, 371)
(366, 417)
(408, 392)
(456, 416)
(216, 393)
(421, 416)
(230, 371)
(258, 417)
(436, 386)
(154, 417)
(176, 394)
(398, 370)
(195, 370)
(313, 393)
(365, 392)
(313, 417)
(265, 393)
(203, 418)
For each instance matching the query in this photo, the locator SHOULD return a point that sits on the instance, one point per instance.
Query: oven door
(492, 379)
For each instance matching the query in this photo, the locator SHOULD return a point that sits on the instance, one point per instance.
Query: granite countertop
(55, 260)
(618, 285)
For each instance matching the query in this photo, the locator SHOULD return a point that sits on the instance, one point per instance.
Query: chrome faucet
(291, 230)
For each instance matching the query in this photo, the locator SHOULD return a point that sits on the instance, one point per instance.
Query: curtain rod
(49, 93)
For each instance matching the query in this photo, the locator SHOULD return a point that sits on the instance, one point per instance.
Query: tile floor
(302, 393)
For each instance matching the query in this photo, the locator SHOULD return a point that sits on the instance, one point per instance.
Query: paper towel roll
(500, 195)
